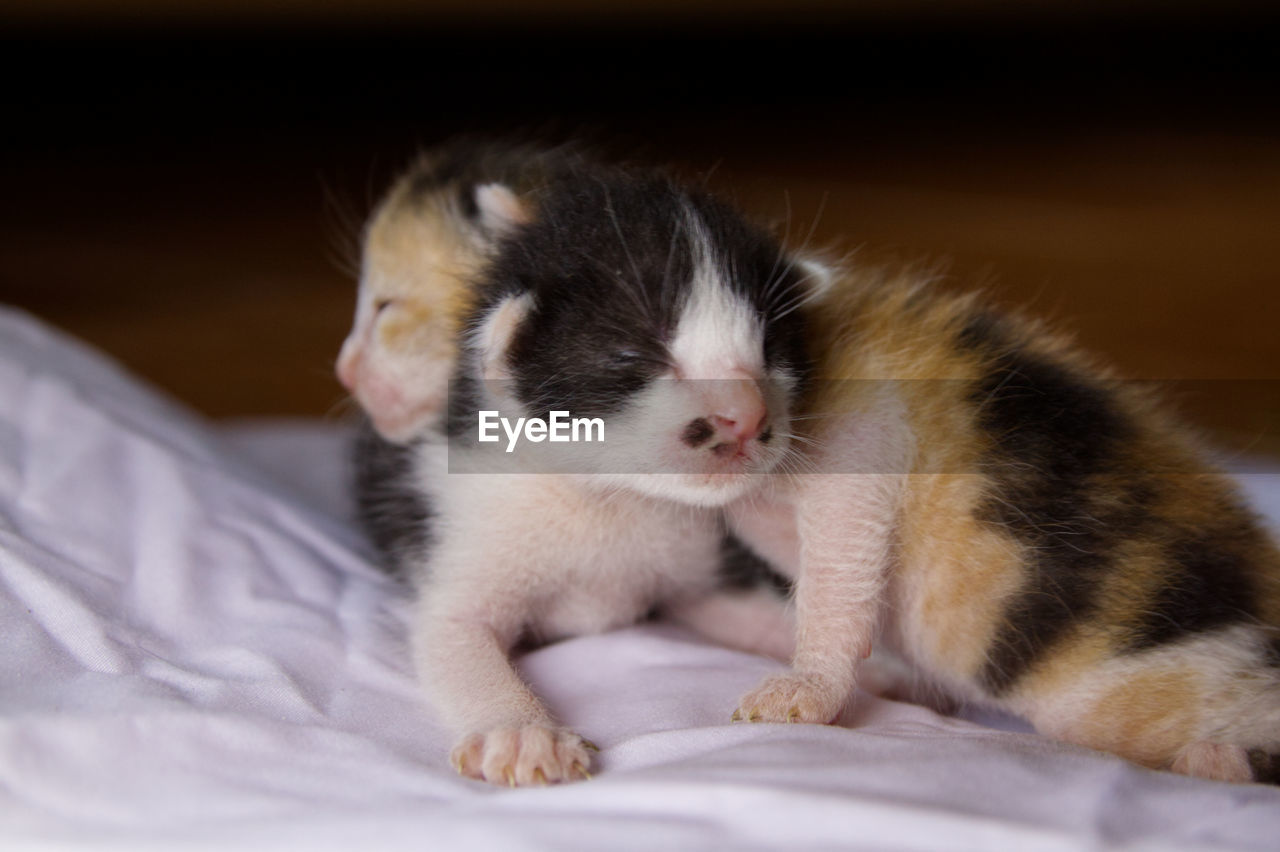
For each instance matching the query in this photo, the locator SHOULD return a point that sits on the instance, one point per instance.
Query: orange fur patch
(1148, 719)
(954, 577)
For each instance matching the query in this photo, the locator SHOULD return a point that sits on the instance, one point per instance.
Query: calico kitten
(424, 249)
(598, 298)
(1027, 531)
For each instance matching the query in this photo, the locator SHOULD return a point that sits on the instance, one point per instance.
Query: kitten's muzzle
(739, 415)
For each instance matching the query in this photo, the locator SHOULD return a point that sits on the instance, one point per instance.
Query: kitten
(423, 251)
(597, 295)
(423, 248)
(1027, 531)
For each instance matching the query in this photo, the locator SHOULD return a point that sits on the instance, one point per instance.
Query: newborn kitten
(1028, 532)
(598, 296)
(424, 249)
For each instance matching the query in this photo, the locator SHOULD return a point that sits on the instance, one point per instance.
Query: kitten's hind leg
(1208, 707)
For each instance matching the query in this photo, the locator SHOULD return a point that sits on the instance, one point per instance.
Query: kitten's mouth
(758, 455)
(734, 474)
(730, 451)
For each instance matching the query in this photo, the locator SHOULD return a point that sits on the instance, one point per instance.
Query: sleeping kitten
(424, 249)
(600, 294)
(1028, 532)
(424, 246)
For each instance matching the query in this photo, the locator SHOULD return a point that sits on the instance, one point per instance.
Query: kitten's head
(660, 311)
(424, 247)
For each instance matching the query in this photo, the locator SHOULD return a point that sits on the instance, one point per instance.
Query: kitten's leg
(461, 647)
(1208, 706)
(846, 525)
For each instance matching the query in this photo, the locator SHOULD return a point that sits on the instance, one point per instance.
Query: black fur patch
(1064, 487)
(394, 514)
(1265, 766)
(1209, 586)
(1057, 485)
(741, 568)
(467, 201)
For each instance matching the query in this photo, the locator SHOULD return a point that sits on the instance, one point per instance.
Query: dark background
(182, 182)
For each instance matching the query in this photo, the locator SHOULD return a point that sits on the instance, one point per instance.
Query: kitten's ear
(816, 276)
(499, 209)
(492, 339)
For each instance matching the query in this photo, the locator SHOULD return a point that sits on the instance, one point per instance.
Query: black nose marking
(697, 432)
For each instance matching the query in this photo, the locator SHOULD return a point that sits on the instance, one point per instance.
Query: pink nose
(738, 414)
(737, 408)
(739, 426)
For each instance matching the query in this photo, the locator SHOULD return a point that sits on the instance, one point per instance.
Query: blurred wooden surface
(211, 263)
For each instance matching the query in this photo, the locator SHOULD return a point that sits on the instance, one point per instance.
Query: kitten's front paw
(792, 697)
(521, 756)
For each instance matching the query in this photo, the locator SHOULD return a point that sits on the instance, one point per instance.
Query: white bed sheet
(198, 653)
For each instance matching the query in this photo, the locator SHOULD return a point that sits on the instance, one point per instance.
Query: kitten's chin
(709, 482)
(706, 490)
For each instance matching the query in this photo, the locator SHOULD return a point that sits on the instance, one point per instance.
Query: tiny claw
(736, 717)
(587, 744)
(540, 776)
(793, 714)
(583, 770)
(510, 776)
(754, 716)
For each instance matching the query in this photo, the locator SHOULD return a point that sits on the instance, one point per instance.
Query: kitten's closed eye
(381, 305)
(633, 360)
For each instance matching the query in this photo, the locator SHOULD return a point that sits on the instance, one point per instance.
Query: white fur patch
(719, 334)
